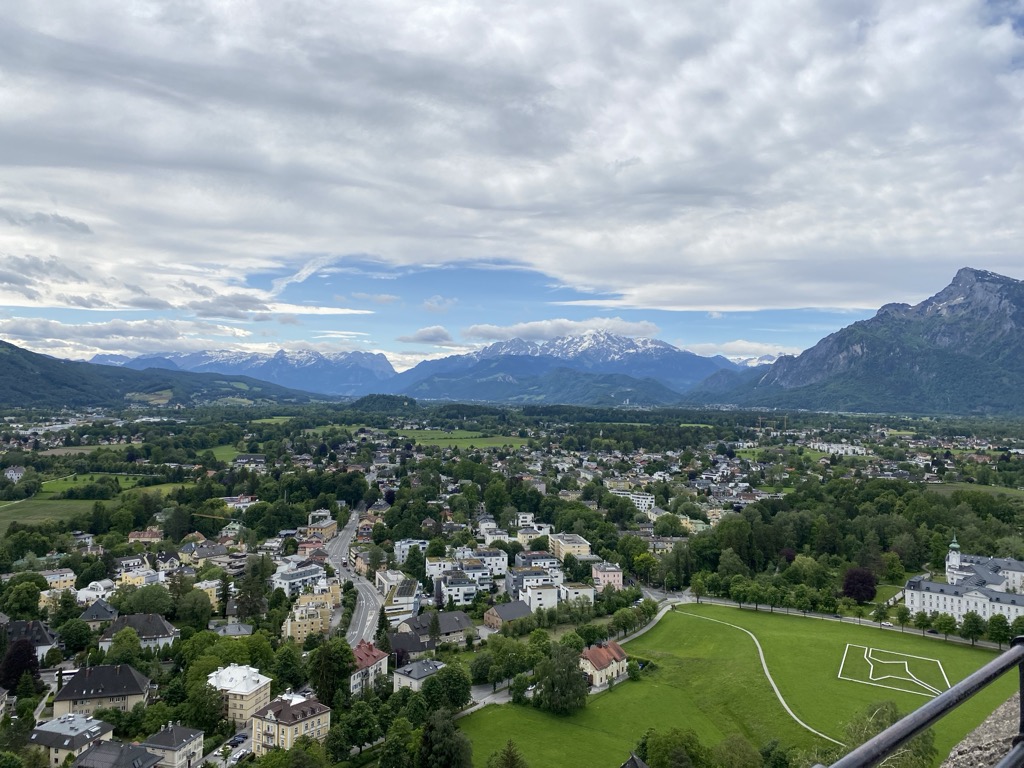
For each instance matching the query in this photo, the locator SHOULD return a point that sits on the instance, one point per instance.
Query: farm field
(709, 678)
(224, 452)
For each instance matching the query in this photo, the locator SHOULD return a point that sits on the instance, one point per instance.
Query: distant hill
(336, 373)
(958, 352)
(30, 380)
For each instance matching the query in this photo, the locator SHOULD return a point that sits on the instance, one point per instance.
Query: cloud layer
(215, 162)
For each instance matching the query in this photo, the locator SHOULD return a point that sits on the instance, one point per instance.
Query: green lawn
(36, 510)
(224, 452)
(885, 592)
(51, 487)
(709, 679)
(948, 488)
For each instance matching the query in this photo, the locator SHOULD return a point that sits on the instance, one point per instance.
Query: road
(369, 600)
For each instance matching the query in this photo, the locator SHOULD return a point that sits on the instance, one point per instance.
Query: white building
(540, 596)
(402, 548)
(973, 583)
(295, 578)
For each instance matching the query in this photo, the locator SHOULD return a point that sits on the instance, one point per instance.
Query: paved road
(369, 601)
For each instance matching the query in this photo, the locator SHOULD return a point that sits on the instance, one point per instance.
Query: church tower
(953, 562)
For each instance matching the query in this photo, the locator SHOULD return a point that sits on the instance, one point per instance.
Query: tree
(972, 627)
(999, 629)
(945, 624)
(674, 748)
(902, 615)
(288, 668)
(205, 708)
(880, 613)
(922, 621)
(22, 601)
(361, 725)
(859, 584)
(562, 689)
(508, 756)
(574, 641)
(75, 634)
(919, 752)
(224, 595)
(450, 688)
(434, 630)
(442, 745)
(67, 608)
(125, 648)
(736, 752)
(195, 609)
(152, 598)
(329, 668)
(699, 585)
(396, 753)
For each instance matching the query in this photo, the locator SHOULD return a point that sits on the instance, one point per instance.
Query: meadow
(708, 677)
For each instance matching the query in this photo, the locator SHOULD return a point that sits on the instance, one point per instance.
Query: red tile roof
(367, 654)
(603, 656)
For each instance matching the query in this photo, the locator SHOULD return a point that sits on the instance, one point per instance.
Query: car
(933, 631)
(886, 623)
(239, 755)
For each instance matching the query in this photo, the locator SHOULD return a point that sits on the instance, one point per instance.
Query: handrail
(888, 741)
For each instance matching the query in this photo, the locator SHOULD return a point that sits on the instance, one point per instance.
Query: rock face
(960, 351)
(990, 741)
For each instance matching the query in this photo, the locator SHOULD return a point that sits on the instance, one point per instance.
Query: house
(285, 719)
(309, 619)
(114, 754)
(14, 474)
(129, 563)
(540, 597)
(212, 589)
(402, 601)
(99, 614)
(59, 579)
(141, 577)
(453, 625)
(167, 561)
(97, 590)
(457, 588)
(154, 630)
(148, 536)
(108, 686)
(35, 632)
(601, 663)
(606, 575)
(232, 630)
(69, 735)
(413, 674)
(176, 746)
(497, 615)
(403, 546)
(244, 690)
(570, 592)
(371, 663)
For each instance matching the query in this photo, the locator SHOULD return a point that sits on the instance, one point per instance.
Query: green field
(52, 487)
(709, 678)
(948, 488)
(224, 452)
(885, 592)
(37, 510)
(78, 450)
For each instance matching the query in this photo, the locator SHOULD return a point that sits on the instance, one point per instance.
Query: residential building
(412, 675)
(59, 579)
(498, 614)
(518, 579)
(69, 735)
(154, 630)
(141, 577)
(644, 502)
(536, 560)
(606, 575)
(99, 614)
(35, 632)
(148, 536)
(569, 592)
(435, 566)
(14, 473)
(114, 754)
(402, 601)
(306, 620)
(457, 588)
(212, 589)
(243, 689)
(295, 578)
(108, 686)
(403, 546)
(601, 663)
(453, 625)
(176, 746)
(562, 544)
(541, 597)
(97, 590)
(283, 720)
(371, 663)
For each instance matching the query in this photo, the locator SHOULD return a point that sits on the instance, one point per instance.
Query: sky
(420, 179)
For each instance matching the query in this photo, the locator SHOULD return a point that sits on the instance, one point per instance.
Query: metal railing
(892, 738)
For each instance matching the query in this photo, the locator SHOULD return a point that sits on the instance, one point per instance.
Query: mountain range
(958, 352)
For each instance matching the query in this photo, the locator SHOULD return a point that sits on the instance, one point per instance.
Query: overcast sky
(419, 178)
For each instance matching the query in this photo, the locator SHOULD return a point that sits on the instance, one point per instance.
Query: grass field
(78, 450)
(948, 488)
(51, 487)
(709, 678)
(224, 452)
(36, 510)
(886, 592)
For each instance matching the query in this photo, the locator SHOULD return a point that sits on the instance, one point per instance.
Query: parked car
(886, 623)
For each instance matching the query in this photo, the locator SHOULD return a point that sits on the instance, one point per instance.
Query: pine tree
(508, 756)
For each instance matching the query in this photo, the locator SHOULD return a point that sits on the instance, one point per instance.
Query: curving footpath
(771, 681)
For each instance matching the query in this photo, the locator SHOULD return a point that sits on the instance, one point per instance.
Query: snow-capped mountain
(754, 362)
(335, 373)
(596, 352)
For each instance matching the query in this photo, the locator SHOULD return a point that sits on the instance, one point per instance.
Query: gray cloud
(45, 221)
(435, 334)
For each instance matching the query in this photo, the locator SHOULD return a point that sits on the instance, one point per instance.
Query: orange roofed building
(601, 663)
(371, 663)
